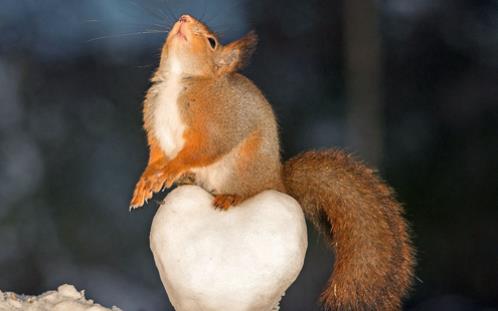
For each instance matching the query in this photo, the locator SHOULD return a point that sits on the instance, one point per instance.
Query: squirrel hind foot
(225, 201)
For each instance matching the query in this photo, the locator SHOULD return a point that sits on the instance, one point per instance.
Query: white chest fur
(168, 125)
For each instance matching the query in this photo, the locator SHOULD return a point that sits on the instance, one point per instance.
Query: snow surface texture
(66, 298)
(242, 259)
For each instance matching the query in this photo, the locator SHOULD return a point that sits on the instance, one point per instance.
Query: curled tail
(362, 221)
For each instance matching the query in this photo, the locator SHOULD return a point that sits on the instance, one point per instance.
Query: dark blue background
(73, 74)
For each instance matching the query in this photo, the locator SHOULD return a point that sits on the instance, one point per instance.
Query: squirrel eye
(212, 42)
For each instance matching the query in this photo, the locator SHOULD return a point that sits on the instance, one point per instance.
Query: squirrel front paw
(152, 181)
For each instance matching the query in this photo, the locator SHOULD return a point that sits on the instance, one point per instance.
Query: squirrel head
(193, 49)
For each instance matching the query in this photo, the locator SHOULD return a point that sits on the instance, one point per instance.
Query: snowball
(242, 259)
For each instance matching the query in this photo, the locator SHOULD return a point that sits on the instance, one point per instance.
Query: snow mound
(241, 259)
(65, 298)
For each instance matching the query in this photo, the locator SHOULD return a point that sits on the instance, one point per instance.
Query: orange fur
(248, 150)
(151, 180)
(373, 268)
(196, 153)
(231, 148)
(225, 201)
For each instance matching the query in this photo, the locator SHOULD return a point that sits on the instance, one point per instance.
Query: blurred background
(409, 86)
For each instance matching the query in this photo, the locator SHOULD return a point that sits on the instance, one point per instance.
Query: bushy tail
(363, 222)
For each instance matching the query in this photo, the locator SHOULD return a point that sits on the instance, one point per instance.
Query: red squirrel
(209, 125)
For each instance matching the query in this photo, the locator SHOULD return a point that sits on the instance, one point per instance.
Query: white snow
(66, 298)
(242, 259)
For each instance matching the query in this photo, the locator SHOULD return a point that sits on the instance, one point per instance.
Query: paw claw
(225, 201)
(154, 179)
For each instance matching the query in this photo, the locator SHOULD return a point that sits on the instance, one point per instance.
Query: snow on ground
(66, 298)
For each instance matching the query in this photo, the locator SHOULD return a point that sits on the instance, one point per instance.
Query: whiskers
(157, 12)
(137, 17)
(128, 34)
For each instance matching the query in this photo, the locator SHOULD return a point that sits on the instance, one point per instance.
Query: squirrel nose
(185, 18)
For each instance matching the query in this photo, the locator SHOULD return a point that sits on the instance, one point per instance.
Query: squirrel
(209, 125)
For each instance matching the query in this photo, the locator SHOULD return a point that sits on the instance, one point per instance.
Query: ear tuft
(237, 54)
(247, 46)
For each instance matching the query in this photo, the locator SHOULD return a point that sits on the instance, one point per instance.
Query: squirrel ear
(236, 55)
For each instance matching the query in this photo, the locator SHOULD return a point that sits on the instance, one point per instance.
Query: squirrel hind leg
(225, 201)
